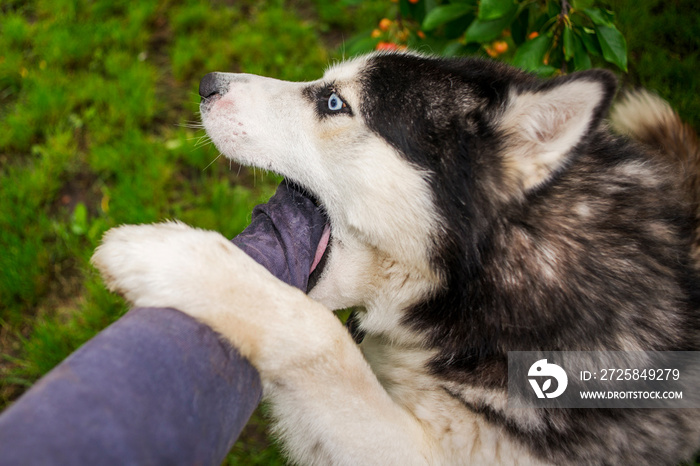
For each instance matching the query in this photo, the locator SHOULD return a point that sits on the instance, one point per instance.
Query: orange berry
(421, 34)
(500, 46)
(389, 46)
(385, 24)
(413, 1)
(533, 34)
(492, 53)
(376, 33)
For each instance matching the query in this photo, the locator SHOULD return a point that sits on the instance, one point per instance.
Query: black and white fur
(474, 210)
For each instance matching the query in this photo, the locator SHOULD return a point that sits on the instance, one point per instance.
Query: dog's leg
(329, 406)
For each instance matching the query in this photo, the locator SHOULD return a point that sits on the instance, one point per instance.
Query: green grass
(96, 104)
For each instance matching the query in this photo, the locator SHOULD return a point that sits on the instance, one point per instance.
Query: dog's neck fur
(381, 282)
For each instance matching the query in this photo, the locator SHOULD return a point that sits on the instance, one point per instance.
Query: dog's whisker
(203, 141)
(197, 123)
(215, 159)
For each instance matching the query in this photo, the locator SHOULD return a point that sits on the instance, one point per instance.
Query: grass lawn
(98, 110)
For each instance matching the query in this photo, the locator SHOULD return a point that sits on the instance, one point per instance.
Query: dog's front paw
(204, 275)
(164, 265)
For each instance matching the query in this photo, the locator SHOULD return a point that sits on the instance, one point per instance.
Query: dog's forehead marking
(347, 70)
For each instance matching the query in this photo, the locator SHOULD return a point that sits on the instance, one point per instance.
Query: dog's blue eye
(335, 103)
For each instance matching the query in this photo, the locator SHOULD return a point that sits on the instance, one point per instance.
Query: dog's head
(411, 156)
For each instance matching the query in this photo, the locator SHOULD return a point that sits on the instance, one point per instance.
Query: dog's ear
(544, 125)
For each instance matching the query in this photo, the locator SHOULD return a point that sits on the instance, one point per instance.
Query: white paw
(203, 274)
(164, 265)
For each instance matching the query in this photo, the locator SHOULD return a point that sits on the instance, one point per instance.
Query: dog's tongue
(322, 246)
(288, 235)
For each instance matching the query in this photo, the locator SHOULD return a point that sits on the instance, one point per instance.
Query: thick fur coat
(474, 210)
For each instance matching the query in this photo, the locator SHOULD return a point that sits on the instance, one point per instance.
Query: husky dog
(474, 210)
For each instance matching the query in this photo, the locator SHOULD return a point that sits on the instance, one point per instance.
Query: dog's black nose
(209, 85)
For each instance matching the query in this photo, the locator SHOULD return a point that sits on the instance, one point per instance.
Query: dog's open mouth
(318, 229)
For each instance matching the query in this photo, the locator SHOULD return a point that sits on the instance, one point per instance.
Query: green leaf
(613, 46)
(452, 49)
(591, 43)
(455, 29)
(519, 27)
(599, 17)
(553, 9)
(545, 71)
(493, 9)
(581, 59)
(485, 31)
(568, 43)
(539, 22)
(530, 55)
(444, 14)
